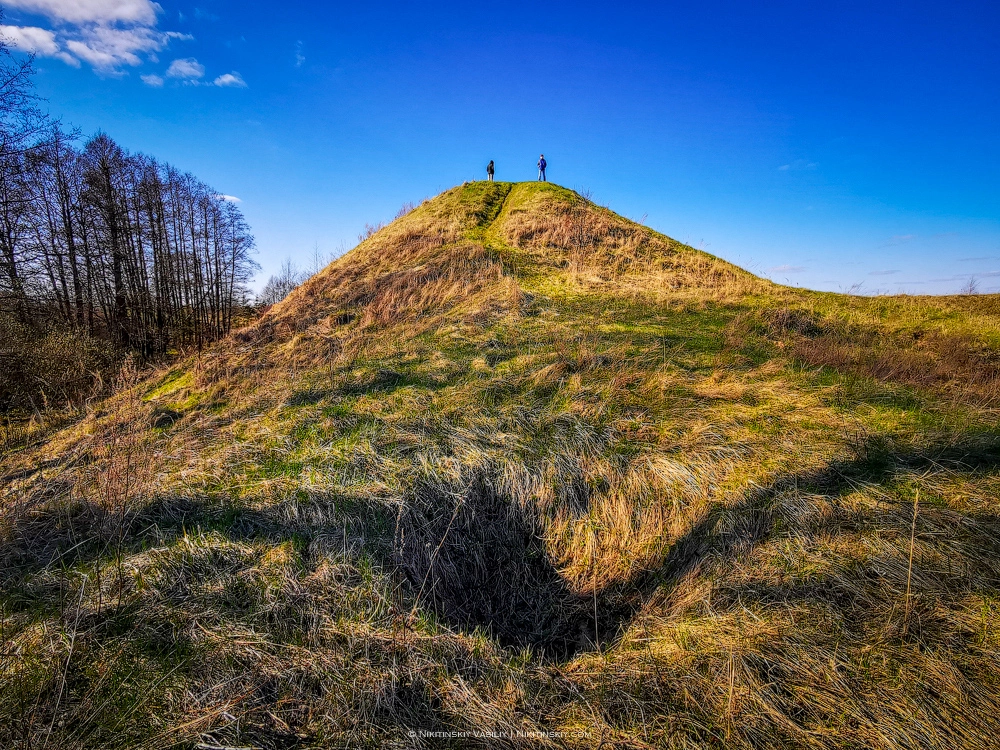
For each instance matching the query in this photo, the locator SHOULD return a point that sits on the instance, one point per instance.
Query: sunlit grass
(517, 464)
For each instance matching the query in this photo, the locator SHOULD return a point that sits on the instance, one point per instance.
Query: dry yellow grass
(516, 467)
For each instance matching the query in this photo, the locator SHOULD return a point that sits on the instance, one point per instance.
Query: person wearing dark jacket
(541, 168)
(489, 171)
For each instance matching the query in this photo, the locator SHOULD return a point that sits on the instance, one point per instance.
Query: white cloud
(109, 47)
(107, 34)
(798, 164)
(142, 12)
(788, 269)
(31, 39)
(888, 272)
(300, 56)
(233, 79)
(98, 58)
(187, 68)
(230, 198)
(41, 42)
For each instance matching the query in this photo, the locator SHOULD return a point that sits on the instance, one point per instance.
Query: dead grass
(516, 465)
(597, 248)
(922, 355)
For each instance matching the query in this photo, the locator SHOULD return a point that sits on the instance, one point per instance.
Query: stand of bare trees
(119, 245)
(104, 245)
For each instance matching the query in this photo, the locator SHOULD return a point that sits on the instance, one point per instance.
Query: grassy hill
(516, 465)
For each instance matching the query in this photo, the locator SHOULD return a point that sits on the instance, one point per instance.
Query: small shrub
(57, 367)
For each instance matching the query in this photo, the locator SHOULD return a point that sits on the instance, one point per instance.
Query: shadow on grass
(470, 555)
(753, 520)
(477, 560)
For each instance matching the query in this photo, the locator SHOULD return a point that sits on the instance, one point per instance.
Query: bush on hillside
(52, 367)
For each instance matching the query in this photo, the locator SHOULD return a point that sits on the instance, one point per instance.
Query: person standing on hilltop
(489, 171)
(541, 168)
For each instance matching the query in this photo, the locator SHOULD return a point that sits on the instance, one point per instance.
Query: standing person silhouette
(489, 171)
(541, 168)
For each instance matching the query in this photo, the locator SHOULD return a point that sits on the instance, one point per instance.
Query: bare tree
(971, 287)
(281, 284)
(117, 246)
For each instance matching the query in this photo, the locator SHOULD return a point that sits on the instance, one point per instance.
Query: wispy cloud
(787, 269)
(230, 198)
(888, 272)
(106, 35)
(152, 80)
(979, 259)
(189, 71)
(300, 55)
(230, 80)
(898, 239)
(186, 68)
(797, 165)
(967, 276)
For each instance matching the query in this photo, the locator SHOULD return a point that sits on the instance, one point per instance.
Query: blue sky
(824, 145)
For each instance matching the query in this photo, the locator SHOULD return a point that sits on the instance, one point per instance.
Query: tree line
(119, 245)
(105, 244)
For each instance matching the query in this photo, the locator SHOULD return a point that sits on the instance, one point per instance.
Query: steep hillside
(518, 468)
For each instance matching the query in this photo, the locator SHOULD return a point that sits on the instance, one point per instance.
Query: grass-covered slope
(517, 466)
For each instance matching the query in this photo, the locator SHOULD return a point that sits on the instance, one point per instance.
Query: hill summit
(520, 470)
(483, 237)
